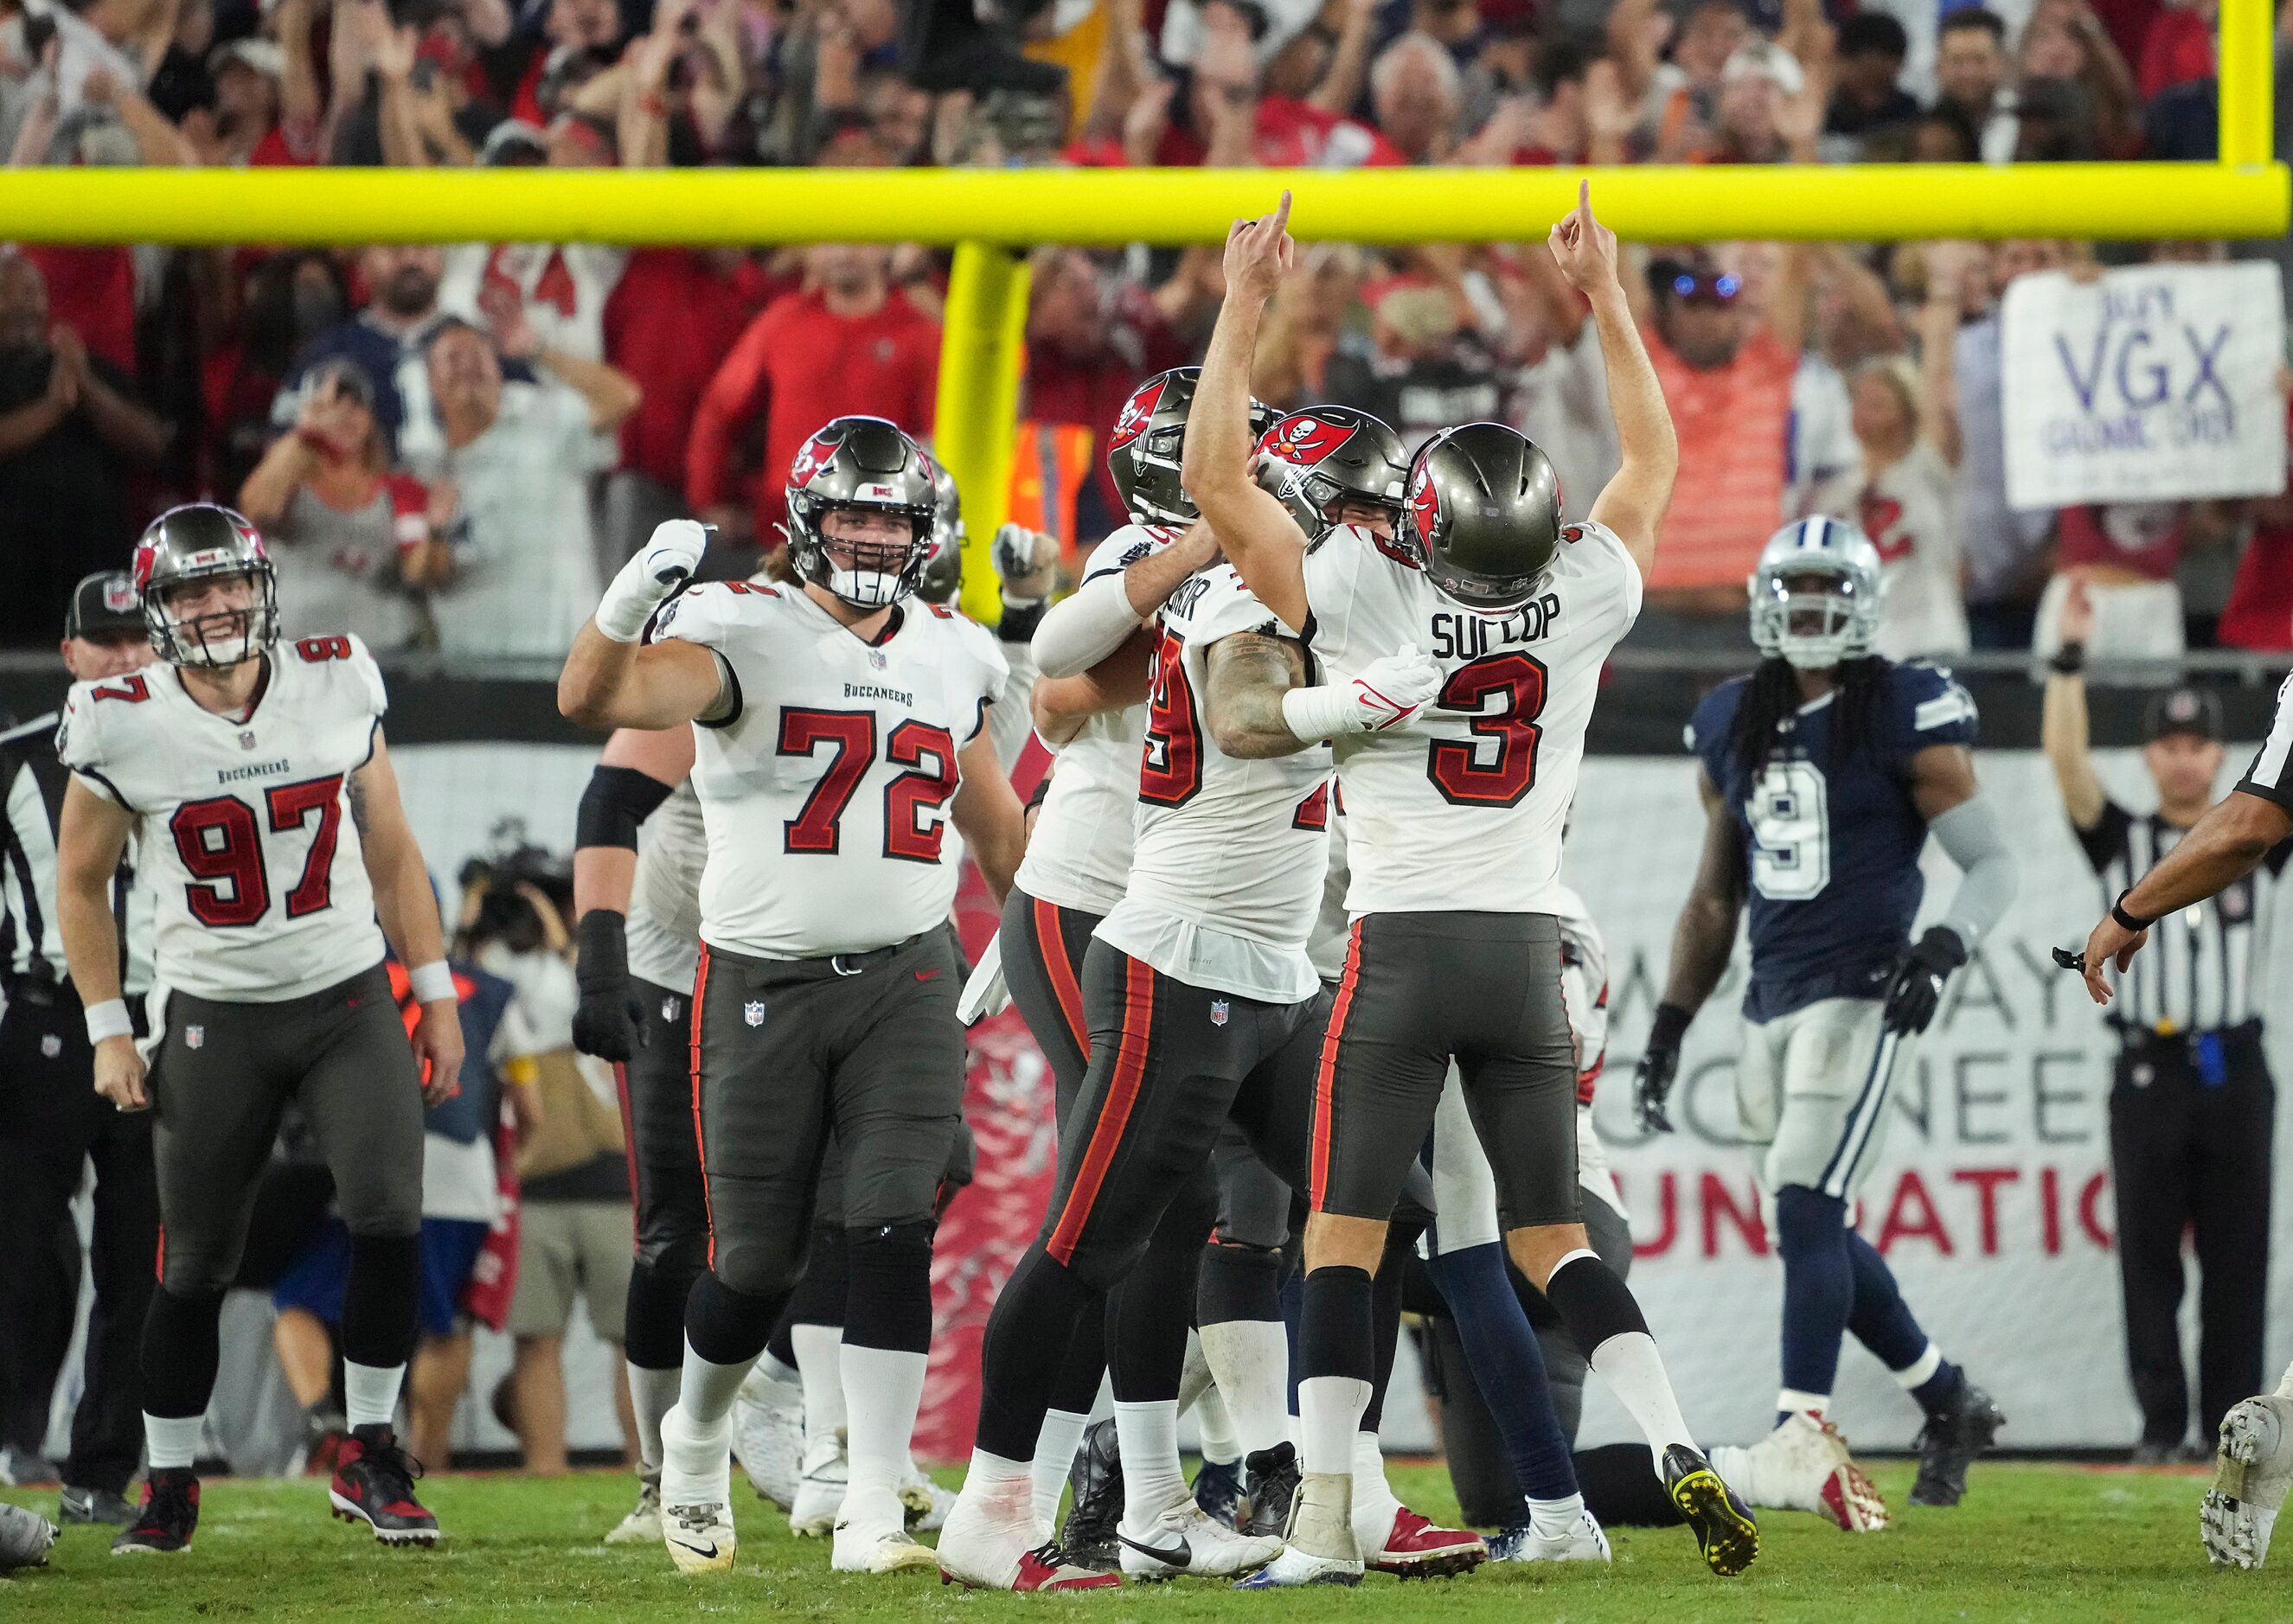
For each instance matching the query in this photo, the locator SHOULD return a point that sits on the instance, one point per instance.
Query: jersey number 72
(1497, 765)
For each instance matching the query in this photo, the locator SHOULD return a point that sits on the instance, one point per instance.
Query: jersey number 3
(1497, 765)
(219, 845)
(913, 824)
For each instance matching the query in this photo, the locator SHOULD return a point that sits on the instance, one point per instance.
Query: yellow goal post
(990, 216)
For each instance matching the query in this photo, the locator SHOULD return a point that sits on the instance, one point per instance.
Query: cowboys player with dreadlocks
(841, 729)
(1823, 773)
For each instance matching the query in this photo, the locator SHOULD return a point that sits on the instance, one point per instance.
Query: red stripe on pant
(1326, 1076)
(1051, 942)
(699, 1135)
(1122, 1095)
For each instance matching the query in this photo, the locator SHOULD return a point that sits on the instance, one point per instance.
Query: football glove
(1659, 1066)
(656, 570)
(605, 1022)
(984, 993)
(1917, 991)
(1389, 691)
(1022, 559)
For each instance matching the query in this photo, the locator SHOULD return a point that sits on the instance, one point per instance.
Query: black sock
(1026, 1344)
(382, 1302)
(1336, 1334)
(888, 1302)
(1238, 1282)
(1147, 1332)
(1594, 1302)
(652, 1326)
(181, 1351)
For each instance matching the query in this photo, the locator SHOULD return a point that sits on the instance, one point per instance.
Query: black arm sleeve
(616, 802)
(2105, 842)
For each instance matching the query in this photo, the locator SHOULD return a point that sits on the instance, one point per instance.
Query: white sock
(651, 1394)
(1055, 1454)
(1791, 1401)
(1222, 1440)
(706, 1389)
(1329, 1413)
(173, 1441)
(696, 1457)
(1551, 1518)
(370, 1393)
(1921, 1371)
(999, 1492)
(882, 1389)
(1153, 1480)
(818, 1363)
(769, 1366)
(1634, 1370)
(1374, 1501)
(1251, 1358)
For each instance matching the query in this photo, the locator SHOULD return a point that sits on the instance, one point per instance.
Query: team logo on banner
(753, 1012)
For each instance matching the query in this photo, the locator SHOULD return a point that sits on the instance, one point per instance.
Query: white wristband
(1312, 714)
(108, 1019)
(431, 982)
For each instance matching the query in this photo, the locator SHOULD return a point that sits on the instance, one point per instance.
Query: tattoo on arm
(1249, 673)
(1705, 934)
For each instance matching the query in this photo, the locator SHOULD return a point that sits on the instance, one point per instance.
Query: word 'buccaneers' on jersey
(837, 748)
(243, 826)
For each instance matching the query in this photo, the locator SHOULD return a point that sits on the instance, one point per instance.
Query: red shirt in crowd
(92, 292)
(2144, 537)
(801, 365)
(670, 322)
(2178, 48)
(2259, 613)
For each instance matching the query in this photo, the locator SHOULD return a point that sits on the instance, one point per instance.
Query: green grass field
(2032, 1542)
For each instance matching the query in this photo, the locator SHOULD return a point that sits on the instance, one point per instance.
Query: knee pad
(888, 1302)
(768, 1266)
(1239, 1282)
(726, 1325)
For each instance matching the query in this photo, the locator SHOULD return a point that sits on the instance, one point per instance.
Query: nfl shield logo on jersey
(753, 1012)
(50, 1046)
(875, 658)
(1218, 1012)
(247, 740)
(195, 1037)
(668, 1009)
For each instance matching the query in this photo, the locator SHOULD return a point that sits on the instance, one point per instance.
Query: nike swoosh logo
(1178, 1555)
(708, 1550)
(925, 975)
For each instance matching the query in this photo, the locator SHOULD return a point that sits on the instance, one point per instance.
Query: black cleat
(1725, 1530)
(168, 1517)
(1949, 1442)
(84, 1506)
(1095, 1483)
(1217, 1491)
(374, 1485)
(1273, 1478)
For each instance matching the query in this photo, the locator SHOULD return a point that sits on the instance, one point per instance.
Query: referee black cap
(104, 605)
(2191, 711)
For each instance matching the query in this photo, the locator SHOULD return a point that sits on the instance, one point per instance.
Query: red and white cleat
(1044, 1568)
(1415, 1549)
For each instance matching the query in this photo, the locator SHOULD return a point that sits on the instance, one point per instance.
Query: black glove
(1659, 1064)
(606, 1024)
(1918, 986)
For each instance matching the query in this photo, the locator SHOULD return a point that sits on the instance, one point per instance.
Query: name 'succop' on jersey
(1462, 634)
(1831, 846)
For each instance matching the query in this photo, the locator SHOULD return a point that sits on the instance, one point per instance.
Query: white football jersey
(664, 916)
(1079, 855)
(826, 796)
(1462, 809)
(244, 827)
(1225, 869)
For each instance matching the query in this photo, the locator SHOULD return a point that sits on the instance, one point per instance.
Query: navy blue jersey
(1831, 849)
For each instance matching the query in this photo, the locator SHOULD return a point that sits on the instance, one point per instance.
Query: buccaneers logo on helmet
(1137, 412)
(1304, 441)
(818, 452)
(1424, 504)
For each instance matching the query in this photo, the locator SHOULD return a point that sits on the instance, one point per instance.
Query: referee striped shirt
(31, 809)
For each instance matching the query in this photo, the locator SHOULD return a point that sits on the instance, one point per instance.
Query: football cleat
(1295, 1568)
(768, 1435)
(168, 1517)
(699, 1538)
(1803, 1465)
(642, 1526)
(989, 1543)
(1272, 1476)
(1415, 1549)
(1725, 1529)
(26, 1538)
(374, 1485)
(820, 1490)
(1949, 1442)
(1184, 1539)
(2251, 1471)
(926, 1502)
(878, 1544)
(86, 1505)
(1095, 1483)
(1218, 1491)
(1584, 1540)
(1319, 1548)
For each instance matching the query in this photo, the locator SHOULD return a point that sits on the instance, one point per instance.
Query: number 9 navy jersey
(1831, 847)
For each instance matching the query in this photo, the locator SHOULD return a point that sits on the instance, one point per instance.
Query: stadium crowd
(453, 446)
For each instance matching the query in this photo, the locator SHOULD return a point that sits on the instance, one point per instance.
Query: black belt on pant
(832, 967)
